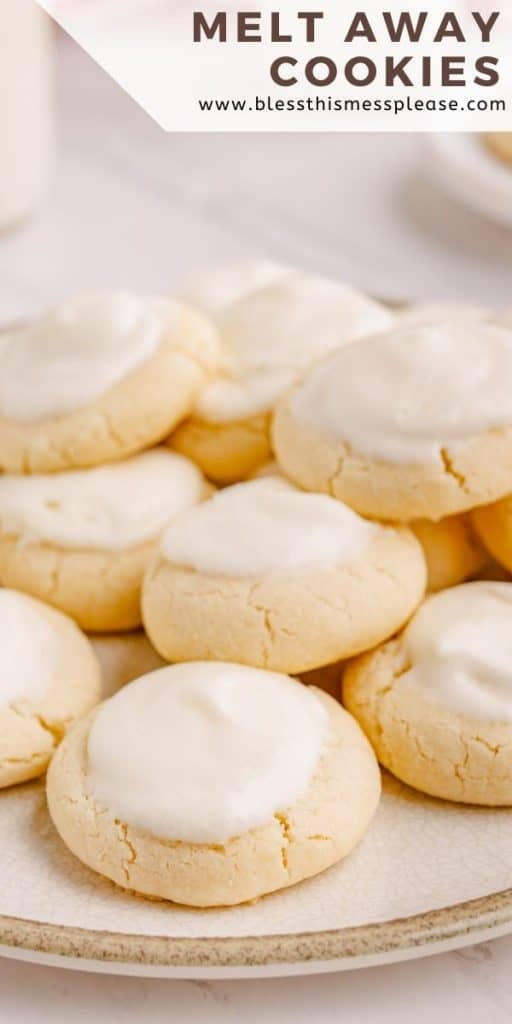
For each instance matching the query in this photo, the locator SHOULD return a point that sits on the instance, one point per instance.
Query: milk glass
(26, 108)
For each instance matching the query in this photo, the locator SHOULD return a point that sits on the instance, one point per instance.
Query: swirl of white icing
(459, 645)
(402, 396)
(205, 751)
(69, 356)
(30, 650)
(266, 526)
(109, 507)
(279, 320)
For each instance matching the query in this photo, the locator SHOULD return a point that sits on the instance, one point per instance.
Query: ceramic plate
(472, 173)
(428, 876)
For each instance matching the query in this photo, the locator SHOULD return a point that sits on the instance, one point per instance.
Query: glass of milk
(26, 108)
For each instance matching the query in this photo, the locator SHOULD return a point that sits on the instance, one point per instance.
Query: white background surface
(131, 206)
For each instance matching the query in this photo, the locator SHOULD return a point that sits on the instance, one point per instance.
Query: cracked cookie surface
(299, 841)
(266, 600)
(82, 540)
(394, 429)
(134, 413)
(32, 727)
(454, 742)
(477, 473)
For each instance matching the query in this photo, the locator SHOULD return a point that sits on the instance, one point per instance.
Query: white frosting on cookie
(402, 396)
(69, 356)
(432, 312)
(272, 333)
(212, 291)
(459, 644)
(205, 751)
(30, 650)
(266, 526)
(109, 507)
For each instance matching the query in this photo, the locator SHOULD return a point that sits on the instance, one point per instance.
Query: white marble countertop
(132, 207)
(469, 986)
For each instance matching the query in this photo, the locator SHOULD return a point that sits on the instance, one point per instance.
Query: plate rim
(472, 184)
(396, 936)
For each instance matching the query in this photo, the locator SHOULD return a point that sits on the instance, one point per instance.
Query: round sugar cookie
(50, 678)
(276, 783)
(493, 524)
(271, 330)
(413, 423)
(124, 657)
(500, 143)
(81, 540)
(436, 703)
(226, 452)
(452, 550)
(98, 378)
(267, 575)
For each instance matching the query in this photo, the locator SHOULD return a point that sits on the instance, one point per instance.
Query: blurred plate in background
(472, 174)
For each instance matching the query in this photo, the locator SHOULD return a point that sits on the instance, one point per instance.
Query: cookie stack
(220, 777)
(85, 391)
(273, 321)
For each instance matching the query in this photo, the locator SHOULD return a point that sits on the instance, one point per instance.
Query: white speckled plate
(428, 876)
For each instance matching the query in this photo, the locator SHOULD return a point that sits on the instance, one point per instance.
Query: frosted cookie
(452, 550)
(50, 677)
(98, 378)
(270, 334)
(433, 312)
(123, 658)
(82, 540)
(214, 290)
(267, 575)
(327, 677)
(276, 783)
(453, 553)
(436, 703)
(414, 423)
(500, 143)
(493, 523)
